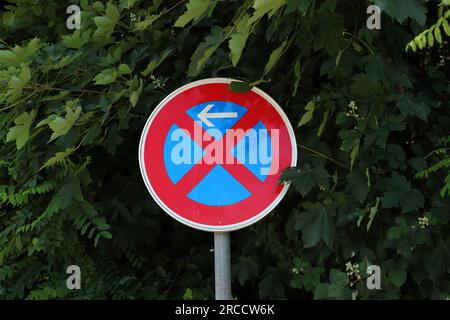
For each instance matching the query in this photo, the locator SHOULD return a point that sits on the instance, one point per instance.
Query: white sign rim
(205, 227)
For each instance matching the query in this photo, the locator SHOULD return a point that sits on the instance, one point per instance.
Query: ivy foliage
(367, 115)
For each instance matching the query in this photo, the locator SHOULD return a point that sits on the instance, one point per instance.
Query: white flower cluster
(133, 17)
(353, 110)
(157, 83)
(353, 272)
(423, 222)
(295, 270)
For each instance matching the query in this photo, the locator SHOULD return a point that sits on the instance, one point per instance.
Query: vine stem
(323, 156)
(60, 89)
(17, 102)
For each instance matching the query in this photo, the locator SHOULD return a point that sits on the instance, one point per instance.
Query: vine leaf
(17, 84)
(19, 54)
(60, 126)
(400, 194)
(240, 87)
(265, 6)
(413, 108)
(106, 24)
(153, 64)
(107, 76)
(397, 276)
(308, 116)
(194, 11)
(358, 185)
(77, 39)
(238, 39)
(134, 97)
(275, 56)
(306, 178)
(21, 131)
(205, 50)
(315, 225)
(402, 10)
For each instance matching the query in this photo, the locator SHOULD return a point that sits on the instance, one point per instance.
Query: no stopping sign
(212, 158)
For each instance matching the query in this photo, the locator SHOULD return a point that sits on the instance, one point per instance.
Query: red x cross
(202, 167)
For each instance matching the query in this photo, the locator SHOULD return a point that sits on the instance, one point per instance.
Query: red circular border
(153, 155)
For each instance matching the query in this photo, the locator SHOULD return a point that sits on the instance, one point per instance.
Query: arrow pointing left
(204, 115)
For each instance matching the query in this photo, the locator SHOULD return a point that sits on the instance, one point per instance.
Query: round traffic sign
(212, 157)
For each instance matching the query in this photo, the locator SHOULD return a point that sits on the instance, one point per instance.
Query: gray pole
(222, 265)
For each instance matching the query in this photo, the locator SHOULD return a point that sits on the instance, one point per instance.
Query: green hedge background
(372, 123)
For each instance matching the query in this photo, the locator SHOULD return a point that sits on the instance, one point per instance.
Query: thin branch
(323, 156)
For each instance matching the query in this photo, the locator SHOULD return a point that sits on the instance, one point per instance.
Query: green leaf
(438, 35)
(147, 22)
(195, 9)
(446, 27)
(321, 291)
(323, 123)
(395, 232)
(240, 87)
(238, 39)
(364, 85)
(123, 69)
(69, 192)
(308, 116)
(263, 7)
(205, 50)
(77, 39)
(328, 34)
(106, 234)
(8, 58)
(338, 288)
(397, 276)
(373, 212)
(107, 76)
(131, 3)
(188, 294)
(307, 178)
(350, 142)
(18, 54)
(21, 131)
(298, 77)
(97, 238)
(311, 278)
(404, 9)
(135, 95)
(153, 64)
(112, 12)
(16, 85)
(413, 108)
(430, 39)
(247, 270)
(354, 153)
(411, 45)
(315, 225)
(358, 185)
(400, 194)
(423, 41)
(106, 24)
(302, 6)
(271, 284)
(60, 126)
(275, 56)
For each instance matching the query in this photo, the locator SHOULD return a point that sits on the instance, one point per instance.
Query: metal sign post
(222, 265)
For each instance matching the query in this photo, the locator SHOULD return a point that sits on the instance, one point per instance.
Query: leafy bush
(73, 104)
